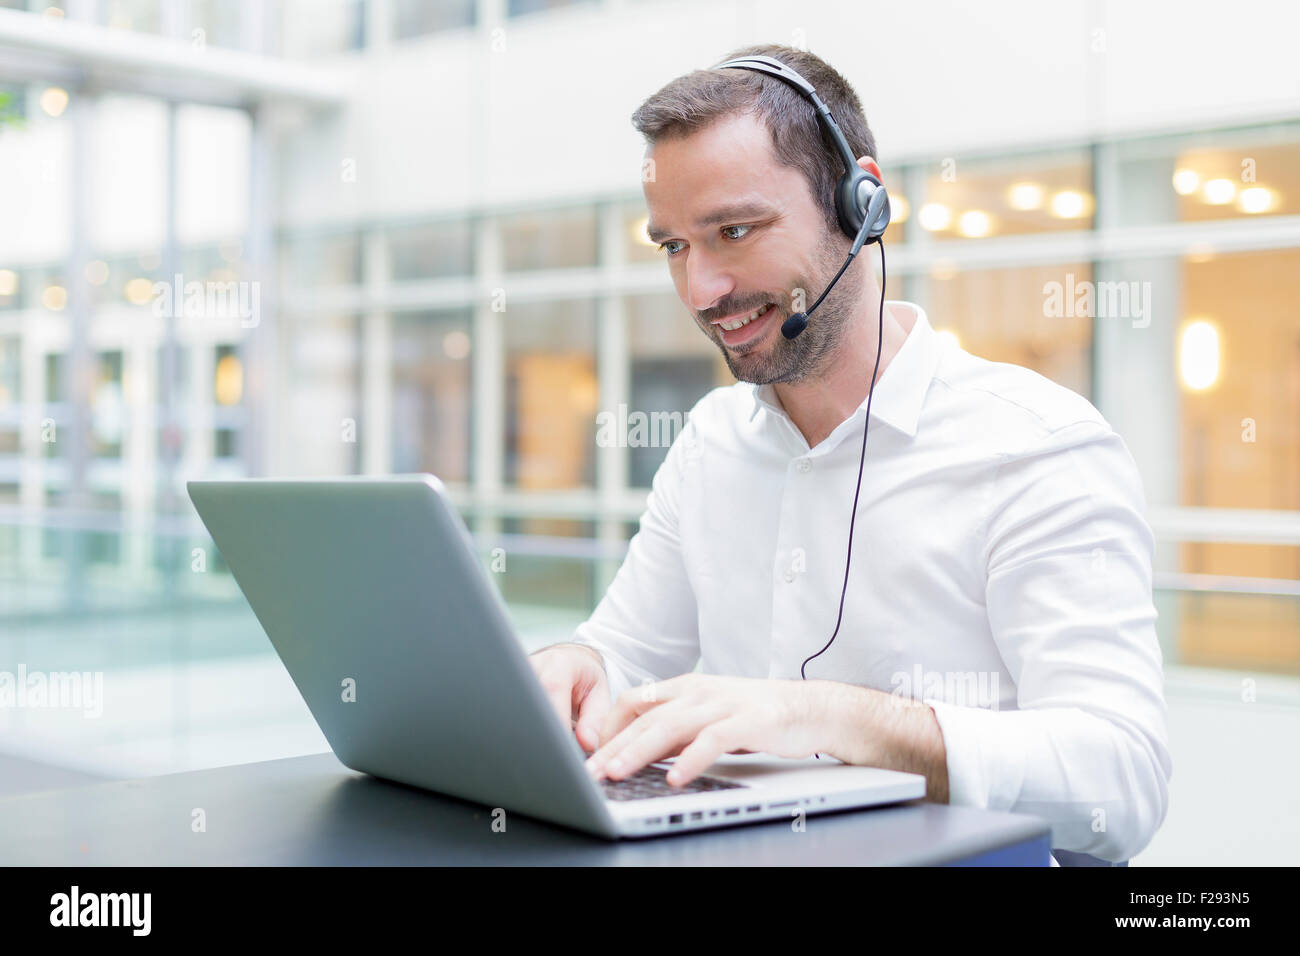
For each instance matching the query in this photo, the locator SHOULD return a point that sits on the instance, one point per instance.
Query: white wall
(444, 122)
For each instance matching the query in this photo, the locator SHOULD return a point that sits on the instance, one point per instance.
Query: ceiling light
(54, 100)
(1219, 192)
(1071, 204)
(1025, 196)
(1186, 181)
(1198, 355)
(54, 297)
(139, 291)
(1256, 199)
(974, 223)
(934, 217)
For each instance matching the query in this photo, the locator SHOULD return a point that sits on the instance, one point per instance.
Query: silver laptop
(374, 597)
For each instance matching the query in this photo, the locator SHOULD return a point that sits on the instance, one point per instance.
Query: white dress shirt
(1001, 572)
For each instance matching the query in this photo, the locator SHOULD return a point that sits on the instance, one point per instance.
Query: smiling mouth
(740, 322)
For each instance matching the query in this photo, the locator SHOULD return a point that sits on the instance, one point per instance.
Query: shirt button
(804, 465)
(789, 577)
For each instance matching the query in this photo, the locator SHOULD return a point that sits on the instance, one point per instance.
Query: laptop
(373, 595)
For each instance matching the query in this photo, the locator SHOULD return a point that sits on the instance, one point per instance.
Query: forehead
(724, 144)
(731, 159)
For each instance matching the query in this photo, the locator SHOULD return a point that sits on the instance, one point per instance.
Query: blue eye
(725, 231)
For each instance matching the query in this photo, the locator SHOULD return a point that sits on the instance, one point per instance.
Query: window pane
(639, 246)
(412, 18)
(1009, 196)
(1217, 175)
(311, 28)
(125, 280)
(219, 20)
(673, 366)
(550, 240)
(1248, 631)
(320, 261)
(212, 187)
(517, 8)
(1239, 378)
(432, 418)
(144, 16)
(129, 174)
(431, 251)
(11, 396)
(1004, 315)
(537, 579)
(551, 395)
(107, 407)
(323, 428)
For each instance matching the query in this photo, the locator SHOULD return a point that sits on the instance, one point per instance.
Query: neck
(817, 406)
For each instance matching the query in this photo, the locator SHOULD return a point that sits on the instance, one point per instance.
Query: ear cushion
(852, 194)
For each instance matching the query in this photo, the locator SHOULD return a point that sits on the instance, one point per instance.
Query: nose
(706, 281)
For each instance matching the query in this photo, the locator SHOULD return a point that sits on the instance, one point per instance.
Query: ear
(869, 164)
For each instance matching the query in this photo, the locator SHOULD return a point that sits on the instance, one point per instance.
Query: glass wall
(483, 347)
(433, 418)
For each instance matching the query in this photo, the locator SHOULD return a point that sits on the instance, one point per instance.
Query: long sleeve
(646, 626)
(1069, 603)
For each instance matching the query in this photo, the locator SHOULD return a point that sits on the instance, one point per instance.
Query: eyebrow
(724, 214)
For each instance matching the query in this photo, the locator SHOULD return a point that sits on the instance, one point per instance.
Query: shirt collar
(900, 391)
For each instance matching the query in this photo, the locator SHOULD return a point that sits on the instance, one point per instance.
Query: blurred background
(366, 183)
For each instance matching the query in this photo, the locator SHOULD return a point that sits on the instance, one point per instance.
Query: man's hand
(573, 676)
(701, 717)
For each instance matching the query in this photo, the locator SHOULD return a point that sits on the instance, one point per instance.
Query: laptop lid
(373, 596)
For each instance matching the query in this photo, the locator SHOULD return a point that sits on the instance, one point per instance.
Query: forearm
(871, 728)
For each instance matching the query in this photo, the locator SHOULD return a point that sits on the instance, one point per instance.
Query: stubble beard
(776, 359)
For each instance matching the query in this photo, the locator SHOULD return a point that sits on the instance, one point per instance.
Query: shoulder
(1015, 409)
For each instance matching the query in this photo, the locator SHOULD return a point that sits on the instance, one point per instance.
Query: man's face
(742, 233)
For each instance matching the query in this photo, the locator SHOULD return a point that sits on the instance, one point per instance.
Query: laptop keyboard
(652, 781)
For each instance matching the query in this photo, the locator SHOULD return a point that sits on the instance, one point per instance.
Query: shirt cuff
(985, 757)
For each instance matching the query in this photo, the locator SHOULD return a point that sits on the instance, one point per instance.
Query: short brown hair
(695, 100)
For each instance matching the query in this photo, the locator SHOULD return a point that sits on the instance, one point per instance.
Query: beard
(776, 359)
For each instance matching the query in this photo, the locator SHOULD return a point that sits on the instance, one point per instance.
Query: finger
(709, 744)
(674, 702)
(634, 702)
(592, 707)
(653, 736)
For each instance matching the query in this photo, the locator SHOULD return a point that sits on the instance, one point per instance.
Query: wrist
(597, 655)
(834, 712)
(599, 658)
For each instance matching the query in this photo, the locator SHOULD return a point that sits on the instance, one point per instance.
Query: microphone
(795, 325)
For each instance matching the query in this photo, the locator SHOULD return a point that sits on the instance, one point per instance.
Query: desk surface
(309, 811)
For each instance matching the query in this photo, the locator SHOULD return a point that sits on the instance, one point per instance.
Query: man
(997, 632)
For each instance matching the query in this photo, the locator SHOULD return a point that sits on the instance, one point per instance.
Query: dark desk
(314, 811)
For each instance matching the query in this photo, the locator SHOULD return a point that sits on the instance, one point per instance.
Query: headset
(862, 205)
